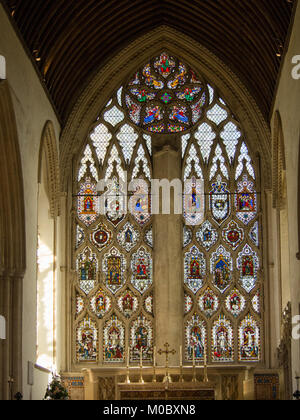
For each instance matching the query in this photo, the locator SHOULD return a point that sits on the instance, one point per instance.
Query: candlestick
(180, 361)
(141, 366)
(194, 368)
(205, 379)
(154, 364)
(127, 380)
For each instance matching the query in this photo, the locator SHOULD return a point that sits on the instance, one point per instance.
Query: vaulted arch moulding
(278, 165)
(12, 245)
(122, 65)
(49, 156)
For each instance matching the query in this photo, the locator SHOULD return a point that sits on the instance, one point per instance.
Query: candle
(180, 350)
(204, 356)
(154, 356)
(193, 356)
(141, 357)
(127, 356)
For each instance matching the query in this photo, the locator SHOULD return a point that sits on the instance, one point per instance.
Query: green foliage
(56, 390)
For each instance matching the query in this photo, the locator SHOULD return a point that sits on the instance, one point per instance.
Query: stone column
(167, 230)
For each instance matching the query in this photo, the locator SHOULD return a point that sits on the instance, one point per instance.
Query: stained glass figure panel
(115, 201)
(140, 202)
(221, 267)
(193, 201)
(235, 303)
(87, 341)
(195, 338)
(113, 340)
(88, 202)
(128, 236)
(207, 236)
(222, 340)
(194, 269)
(141, 266)
(141, 339)
(100, 303)
(208, 302)
(248, 265)
(233, 235)
(249, 340)
(128, 303)
(87, 268)
(219, 201)
(245, 201)
(101, 236)
(114, 266)
(188, 303)
(148, 304)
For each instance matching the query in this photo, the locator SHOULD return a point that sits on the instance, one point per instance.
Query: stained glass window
(113, 246)
(222, 274)
(165, 96)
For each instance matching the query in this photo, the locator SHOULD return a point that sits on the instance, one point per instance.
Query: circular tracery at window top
(165, 96)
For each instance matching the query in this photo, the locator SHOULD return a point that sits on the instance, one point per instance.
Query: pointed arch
(49, 162)
(12, 243)
(98, 92)
(278, 164)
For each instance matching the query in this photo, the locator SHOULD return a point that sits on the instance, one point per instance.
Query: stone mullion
(168, 291)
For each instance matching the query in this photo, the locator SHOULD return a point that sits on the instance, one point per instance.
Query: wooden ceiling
(70, 40)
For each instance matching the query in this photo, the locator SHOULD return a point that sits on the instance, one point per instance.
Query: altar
(166, 391)
(196, 381)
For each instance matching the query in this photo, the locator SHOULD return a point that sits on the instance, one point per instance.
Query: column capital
(166, 142)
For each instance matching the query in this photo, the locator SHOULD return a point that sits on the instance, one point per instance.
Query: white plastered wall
(287, 102)
(32, 110)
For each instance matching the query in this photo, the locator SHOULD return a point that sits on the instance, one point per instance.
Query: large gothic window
(113, 247)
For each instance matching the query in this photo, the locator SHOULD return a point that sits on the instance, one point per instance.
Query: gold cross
(167, 352)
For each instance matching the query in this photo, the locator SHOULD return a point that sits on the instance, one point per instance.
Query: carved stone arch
(12, 245)
(98, 92)
(278, 164)
(48, 169)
